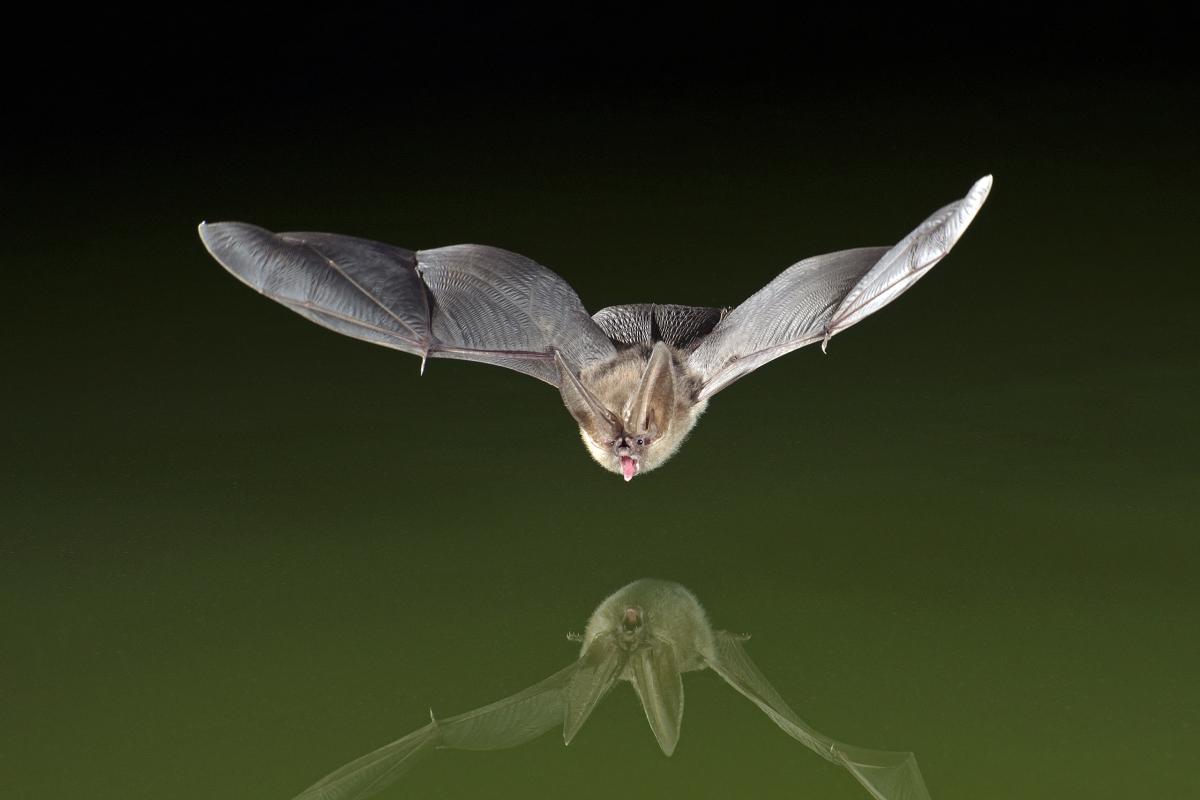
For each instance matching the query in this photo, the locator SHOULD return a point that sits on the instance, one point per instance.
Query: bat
(636, 377)
(647, 633)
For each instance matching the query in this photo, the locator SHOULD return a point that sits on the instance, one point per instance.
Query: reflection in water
(635, 377)
(647, 633)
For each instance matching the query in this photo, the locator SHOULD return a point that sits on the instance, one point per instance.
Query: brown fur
(615, 382)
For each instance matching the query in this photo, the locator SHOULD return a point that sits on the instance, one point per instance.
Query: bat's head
(634, 411)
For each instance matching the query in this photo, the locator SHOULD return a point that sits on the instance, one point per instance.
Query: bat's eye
(641, 441)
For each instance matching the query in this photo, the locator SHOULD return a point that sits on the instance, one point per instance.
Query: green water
(238, 550)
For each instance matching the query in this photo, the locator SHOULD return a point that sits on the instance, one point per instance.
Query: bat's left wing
(506, 723)
(823, 295)
(466, 301)
(887, 775)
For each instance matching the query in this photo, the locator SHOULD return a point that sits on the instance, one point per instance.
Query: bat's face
(630, 455)
(633, 411)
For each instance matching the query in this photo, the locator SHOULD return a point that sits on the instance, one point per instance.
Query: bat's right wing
(887, 775)
(506, 723)
(818, 297)
(466, 301)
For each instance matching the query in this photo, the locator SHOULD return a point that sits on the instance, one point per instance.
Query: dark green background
(237, 550)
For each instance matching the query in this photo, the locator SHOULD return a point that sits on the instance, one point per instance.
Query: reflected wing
(467, 301)
(507, 723)
(885, 774)
(823, 295)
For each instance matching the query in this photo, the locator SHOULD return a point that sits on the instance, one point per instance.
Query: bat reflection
(647, 633)
(636, 378)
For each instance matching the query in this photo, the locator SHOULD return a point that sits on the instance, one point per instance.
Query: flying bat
(647, 633)
(635, 377)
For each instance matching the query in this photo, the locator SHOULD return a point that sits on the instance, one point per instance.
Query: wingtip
(980, 189)
(205, 231)
(210, 232)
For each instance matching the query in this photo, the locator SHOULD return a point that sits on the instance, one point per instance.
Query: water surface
(238, 550)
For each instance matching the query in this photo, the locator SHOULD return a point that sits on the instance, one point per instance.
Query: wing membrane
(647, 323)
(885, 774)
(505, 723)
(915, 254)
(821, 296)
(466, 302)
(786, 314)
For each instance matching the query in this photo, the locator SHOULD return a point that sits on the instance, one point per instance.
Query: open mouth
(629, 467)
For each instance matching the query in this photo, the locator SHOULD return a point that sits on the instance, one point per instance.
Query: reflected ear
(592, 415)
(653, 401)
(595, 673)
(660, 687)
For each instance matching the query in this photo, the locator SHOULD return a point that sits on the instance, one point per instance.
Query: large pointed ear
(595, 673)
(660, 687)
(653, 401)
(592, 415)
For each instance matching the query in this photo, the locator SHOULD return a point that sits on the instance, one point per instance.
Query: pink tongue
(628, 467)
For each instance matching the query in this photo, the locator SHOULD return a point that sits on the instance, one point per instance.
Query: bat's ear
(592, 415)
(660, 687)
(595, 673)
(652, 403)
